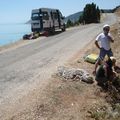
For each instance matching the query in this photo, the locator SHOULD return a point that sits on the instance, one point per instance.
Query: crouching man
(105, 72)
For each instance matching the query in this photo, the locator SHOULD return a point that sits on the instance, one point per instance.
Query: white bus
(47, 19)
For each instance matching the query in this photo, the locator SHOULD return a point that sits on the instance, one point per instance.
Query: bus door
(45, 18)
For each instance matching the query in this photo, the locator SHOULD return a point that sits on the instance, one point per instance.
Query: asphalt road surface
(23, 68)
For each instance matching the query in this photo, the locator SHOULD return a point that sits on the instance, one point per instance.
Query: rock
(74, 74)
(113, 113)
(60, 70)
(87, 78)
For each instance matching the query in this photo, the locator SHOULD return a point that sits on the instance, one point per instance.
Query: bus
(47, 19)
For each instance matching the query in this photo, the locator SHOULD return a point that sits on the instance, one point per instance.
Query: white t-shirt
(104, 41)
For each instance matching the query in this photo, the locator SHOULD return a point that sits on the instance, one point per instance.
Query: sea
(10, 33)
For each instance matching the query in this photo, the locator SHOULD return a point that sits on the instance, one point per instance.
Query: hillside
(28, 22)
(73, 17)
(73, 100)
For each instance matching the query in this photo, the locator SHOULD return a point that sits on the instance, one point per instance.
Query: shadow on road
(52, 34)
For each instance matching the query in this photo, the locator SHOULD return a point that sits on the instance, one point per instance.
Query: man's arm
(110, 38)
(96, 43)
(105, 69)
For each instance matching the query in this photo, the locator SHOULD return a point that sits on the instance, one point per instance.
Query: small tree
(76, 23)
(98, 14)
(69, 23)
(81, 19)
(91, 14)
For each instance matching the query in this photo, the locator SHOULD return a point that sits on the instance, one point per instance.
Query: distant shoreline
(10, 33)
(10, 45)
(17, 44)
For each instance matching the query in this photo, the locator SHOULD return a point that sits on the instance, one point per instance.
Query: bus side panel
(59, 20)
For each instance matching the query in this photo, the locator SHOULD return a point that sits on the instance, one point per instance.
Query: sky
(19, 11)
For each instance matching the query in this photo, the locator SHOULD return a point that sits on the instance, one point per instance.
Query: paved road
(23, 68)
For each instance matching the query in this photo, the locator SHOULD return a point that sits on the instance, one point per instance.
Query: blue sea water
(10, 33)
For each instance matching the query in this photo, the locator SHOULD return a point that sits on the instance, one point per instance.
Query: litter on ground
(91, 58)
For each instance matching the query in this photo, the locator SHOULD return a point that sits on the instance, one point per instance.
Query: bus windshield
(35, 16)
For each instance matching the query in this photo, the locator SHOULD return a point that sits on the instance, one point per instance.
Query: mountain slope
(73, 17)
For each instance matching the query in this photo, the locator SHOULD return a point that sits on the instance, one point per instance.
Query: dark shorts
(104, 52)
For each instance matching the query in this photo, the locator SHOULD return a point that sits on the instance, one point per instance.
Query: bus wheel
(52, 30)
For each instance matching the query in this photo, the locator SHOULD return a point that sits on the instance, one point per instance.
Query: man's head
(111, 61)
(106, 29)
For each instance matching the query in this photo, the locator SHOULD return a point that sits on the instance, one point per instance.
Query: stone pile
(74, 74)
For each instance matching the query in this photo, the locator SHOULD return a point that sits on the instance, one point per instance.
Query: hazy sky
(18, 11)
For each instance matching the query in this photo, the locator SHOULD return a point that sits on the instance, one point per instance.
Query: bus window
(55, 15)
(45, 15)
(35, 16)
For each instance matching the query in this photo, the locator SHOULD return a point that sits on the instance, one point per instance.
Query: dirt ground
(67, 100)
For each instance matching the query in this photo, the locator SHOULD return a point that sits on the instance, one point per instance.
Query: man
(105, 72)
(102, 42)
